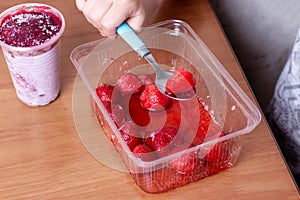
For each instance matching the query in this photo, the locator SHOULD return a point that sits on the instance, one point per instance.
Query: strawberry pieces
(152, 99)
(130, 134)
(187, 163)
(146, 79)
(137, 113)
(180, 82)
(154, 126)
(203, 125)
(128, 83)
(115, 111)
(158, 140)
(105, 92)
(219, 152)
(144, 152)
(173, 113)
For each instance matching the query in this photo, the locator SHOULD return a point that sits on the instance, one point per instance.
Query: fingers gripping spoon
(162, 76)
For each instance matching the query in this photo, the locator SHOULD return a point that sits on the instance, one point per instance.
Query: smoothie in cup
(30, 40)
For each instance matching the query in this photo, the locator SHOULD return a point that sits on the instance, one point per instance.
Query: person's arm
(107, 15)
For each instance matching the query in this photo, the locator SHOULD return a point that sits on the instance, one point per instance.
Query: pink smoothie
(29, 37)
(29, 28)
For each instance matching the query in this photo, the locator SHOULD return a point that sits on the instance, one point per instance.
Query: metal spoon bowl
(162, 76)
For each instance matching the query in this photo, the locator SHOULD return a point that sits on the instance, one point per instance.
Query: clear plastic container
(174, 44)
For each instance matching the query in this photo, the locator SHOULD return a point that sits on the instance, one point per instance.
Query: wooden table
(42, 157)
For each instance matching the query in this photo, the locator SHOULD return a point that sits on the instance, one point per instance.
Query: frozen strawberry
(105, 92)
(202, 127)
(146, 79)
(152, 99)
(128, 83)
(130, 134)
(171, 117)
(159, 140)
(148, 120)
(180, 82)
(197, 116)
(219, 152)
(215, 167)
(173, 112)
(107, 106)
(144, 152)
(187, 163)
(137, 113)
(115, 111)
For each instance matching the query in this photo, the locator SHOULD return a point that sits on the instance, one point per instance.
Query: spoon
(162, 76)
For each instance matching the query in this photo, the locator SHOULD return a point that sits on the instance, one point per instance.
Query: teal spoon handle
(132, 39)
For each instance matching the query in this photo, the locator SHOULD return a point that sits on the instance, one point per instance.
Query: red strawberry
(213, 168)
(166, 118)
(146, 79)
(152, 99)
(181, 81)
(158, 140)
(198, 118)
(173, 115)
(130, 134)
(128, 83)
(144, 152)
(115, 111)
(105, 92)
(219, 152)
(137, 113)
(187, 163)
(202, 127)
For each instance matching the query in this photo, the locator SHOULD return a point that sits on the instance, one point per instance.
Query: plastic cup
(34, 70)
